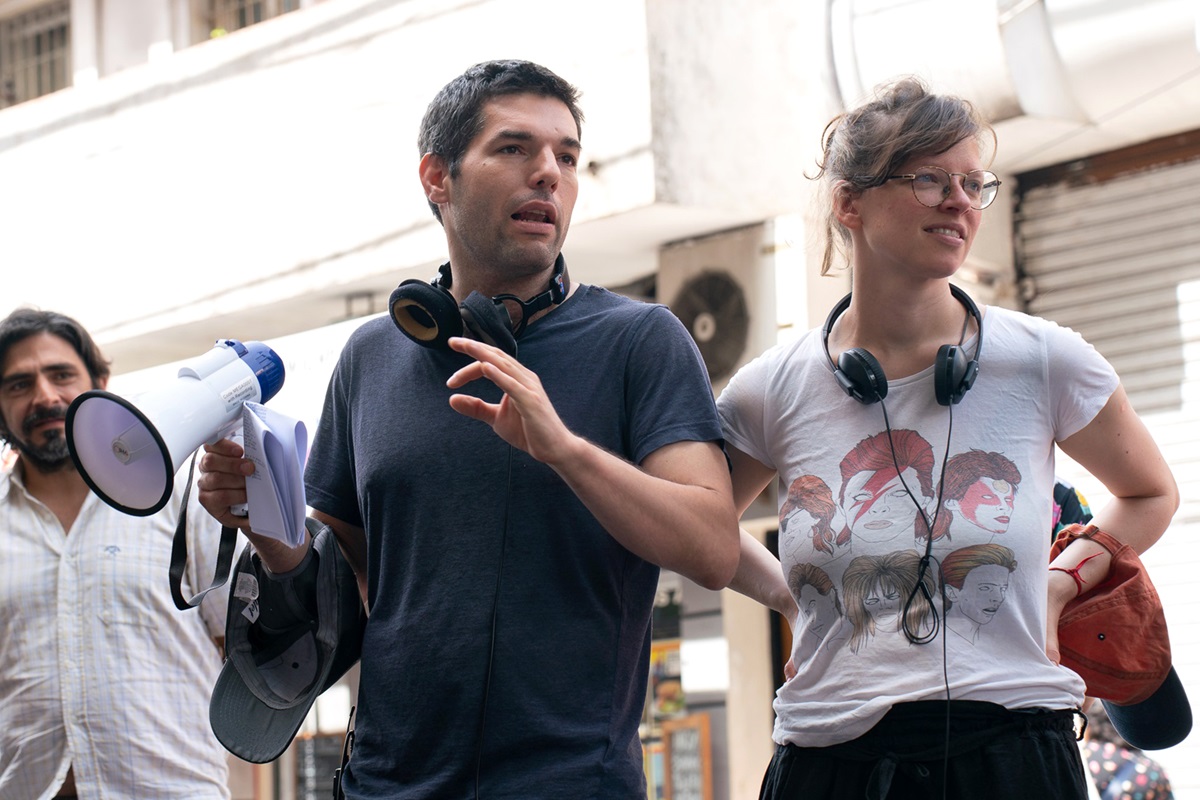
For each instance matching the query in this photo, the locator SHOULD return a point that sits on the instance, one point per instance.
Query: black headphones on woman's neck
(429, 314)
(861, 376)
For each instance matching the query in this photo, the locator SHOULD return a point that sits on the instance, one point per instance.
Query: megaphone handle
(179, 553)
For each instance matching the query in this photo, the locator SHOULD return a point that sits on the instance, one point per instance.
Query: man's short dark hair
(455, 116)
(26, 322)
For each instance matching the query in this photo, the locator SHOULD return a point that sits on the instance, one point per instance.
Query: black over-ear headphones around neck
(428, 314)
(861, 376)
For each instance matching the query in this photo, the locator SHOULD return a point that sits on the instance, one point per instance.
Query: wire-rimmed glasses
(931, 185)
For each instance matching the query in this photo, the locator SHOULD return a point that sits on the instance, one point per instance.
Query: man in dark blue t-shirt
(507, 510)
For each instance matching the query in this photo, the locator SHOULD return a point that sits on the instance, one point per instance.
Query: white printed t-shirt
(848, 526)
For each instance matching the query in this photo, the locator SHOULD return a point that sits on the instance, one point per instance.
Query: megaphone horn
(128, 454)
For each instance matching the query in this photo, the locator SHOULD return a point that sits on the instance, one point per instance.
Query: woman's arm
(1119, 451)
(759, 575)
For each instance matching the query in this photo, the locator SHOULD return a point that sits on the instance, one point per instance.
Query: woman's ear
(845, 204)
(434, 178)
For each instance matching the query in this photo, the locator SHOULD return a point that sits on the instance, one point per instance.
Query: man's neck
(468, 276)
(62, 491)
(524, 286)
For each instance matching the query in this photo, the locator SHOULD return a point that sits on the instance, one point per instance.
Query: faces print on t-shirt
(988, 504)
(810, 522)
(979, 495)
(875, 589)
(975, 579)
(880, 504)
(820, 610)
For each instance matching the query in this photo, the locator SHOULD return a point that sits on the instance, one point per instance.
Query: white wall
(276, 167)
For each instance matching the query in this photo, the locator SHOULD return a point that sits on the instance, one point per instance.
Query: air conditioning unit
(722, 287)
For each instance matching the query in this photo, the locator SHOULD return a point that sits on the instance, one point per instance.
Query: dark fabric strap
(347, 751)
(179, 555)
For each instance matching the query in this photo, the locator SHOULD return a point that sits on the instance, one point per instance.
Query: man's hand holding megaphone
(222, 485)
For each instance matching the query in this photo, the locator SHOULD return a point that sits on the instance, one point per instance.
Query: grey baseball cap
(270, 679)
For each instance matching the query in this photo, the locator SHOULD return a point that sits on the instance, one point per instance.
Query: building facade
(179, 171)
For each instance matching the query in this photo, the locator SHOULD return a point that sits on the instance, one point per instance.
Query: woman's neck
(903, 329)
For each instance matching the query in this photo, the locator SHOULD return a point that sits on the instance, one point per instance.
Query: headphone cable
(915, 637)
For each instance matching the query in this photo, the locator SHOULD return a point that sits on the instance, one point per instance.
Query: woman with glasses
(908, 360)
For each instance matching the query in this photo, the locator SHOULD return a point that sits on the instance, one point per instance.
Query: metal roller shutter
(1118, 261)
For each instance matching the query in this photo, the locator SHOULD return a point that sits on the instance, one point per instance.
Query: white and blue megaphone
(128, 454)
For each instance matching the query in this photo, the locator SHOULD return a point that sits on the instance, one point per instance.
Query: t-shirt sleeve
(329, 478)
(741, 409)
(669, 398)
(1081, 380)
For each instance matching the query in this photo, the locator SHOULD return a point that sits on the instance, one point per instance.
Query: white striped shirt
(98, 669)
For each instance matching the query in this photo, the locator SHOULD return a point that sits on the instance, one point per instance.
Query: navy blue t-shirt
(458, 524)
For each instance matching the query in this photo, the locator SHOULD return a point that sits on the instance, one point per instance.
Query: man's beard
(53, 456)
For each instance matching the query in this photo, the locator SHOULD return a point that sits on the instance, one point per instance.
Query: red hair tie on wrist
(1074, 573)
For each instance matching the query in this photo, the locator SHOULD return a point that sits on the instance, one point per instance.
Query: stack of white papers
(278, 446)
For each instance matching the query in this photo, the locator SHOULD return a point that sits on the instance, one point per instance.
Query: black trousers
(991, 753)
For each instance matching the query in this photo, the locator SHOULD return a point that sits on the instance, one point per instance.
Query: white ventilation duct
(1059, 77)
